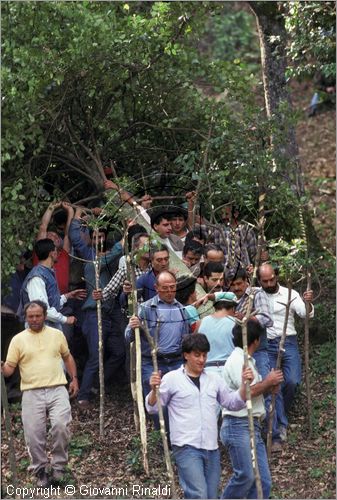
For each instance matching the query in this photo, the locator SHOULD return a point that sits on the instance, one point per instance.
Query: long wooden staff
(136, 365)
(255, 464)
(204, 165)
(131, 311)
(278, 367)
(5, 407)
(153, 342)
(306, 358)
(100, 342)
(247, 314)
(306, 328)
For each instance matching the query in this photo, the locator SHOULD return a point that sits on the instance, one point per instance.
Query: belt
(167, 356)
(256, 419)
(215, 363)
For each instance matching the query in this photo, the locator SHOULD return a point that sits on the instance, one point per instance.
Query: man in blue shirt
(165, 312)
(111, 312)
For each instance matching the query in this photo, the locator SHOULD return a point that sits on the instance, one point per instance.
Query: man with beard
(277, 297)
(213, 278)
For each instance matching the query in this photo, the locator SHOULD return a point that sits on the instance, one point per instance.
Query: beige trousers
(35, 405)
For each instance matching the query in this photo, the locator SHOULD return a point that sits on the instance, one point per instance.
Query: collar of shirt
(160, 301)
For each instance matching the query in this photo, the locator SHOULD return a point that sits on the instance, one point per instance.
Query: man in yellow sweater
(38, 352)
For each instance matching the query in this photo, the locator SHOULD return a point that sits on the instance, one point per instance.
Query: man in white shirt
(161, 224)
(41, 284)
(192, 398)
(277, 297)
(235, 428)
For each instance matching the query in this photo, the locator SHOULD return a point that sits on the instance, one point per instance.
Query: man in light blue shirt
(218, 329)
(192, 397)
(162, 311)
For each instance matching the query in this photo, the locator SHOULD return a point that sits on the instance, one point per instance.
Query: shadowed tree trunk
(270, 21)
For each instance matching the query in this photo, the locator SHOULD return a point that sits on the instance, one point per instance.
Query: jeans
(114, 351)
(262, 362)
(234, 435)
(291, 367)
(199, 471)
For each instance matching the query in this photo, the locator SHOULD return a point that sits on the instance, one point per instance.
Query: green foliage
(290, 257)
(134, 456)
(140, 84)
(79, 445)
(312, 33)
(231, 36)
(20, 214)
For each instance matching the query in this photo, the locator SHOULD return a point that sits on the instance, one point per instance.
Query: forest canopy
(149, 87)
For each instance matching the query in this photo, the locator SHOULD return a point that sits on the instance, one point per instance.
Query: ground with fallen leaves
(112, 468)
(304, 469)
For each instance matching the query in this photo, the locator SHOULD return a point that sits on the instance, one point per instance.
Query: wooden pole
(306, 329)
(278, 367)
(136, 363)
(249, 405)
(204, 164)
(9, 433)
(306, 358)
(154, 347)
(131, 311)
(100, 343)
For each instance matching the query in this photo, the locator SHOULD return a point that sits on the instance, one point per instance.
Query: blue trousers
(234, 435)
(114, 351)
(291, 367)
(199, 471)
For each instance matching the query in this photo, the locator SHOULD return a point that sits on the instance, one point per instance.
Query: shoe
(84, 404)
(276, 447)
(42, 480)
(57, 476)
(283, 434)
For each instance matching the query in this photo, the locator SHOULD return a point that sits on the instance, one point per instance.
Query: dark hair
(178, 212)
(196, 233)
(60, 217)
(223, 304)
(213, 267)
(136, 238)
(212, 246)
(165, 272)
(185, 288)
(34, 303)
(192, 246)
(254, 332)
(240, 274)
(158, 216)
(99, 230)
(158, 248)
(43, 247)
(195, 342)
(134, 230)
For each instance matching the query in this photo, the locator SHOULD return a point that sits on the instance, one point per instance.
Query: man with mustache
(277, 297)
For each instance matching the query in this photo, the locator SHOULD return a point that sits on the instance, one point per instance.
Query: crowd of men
(200, 359)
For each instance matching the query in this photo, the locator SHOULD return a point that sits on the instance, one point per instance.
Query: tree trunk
(273, 41)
